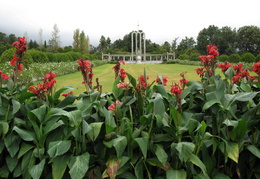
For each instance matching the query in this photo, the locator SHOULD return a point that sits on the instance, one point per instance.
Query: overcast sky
(161, 20)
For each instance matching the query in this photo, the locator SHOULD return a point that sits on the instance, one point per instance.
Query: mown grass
(106, 75)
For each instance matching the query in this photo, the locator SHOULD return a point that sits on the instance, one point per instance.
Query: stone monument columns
(140, 48)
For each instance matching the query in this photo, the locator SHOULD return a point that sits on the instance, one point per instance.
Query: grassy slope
(105, 74)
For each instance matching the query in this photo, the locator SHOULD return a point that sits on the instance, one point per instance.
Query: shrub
(9, 54)
(248, 57)
(75, 55)
(184, 57)
(62, 57)
(223, 58)
(234, 58)
(257, 58)
(51, 57)
(38, 56)
(195, 57)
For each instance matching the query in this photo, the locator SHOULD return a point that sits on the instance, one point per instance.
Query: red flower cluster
(123, 85)
(86, 70)
(212, 50)
(224, 66)
(177, 91)
(3, 75)
(256, 68)
(208, 61)
(122, 74)
(240, 73)
(141, 86)
(183, 81)
(163, 81)
(20, 46)
(119, 71)
(113, 107)
(46, 87)
(68, 94)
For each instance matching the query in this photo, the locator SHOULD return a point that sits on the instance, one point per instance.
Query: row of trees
(228, 41)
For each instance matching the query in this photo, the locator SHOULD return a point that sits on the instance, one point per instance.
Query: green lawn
(105, 74)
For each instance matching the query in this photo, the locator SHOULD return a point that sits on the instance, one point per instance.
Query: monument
(138, 41)
(138, 52)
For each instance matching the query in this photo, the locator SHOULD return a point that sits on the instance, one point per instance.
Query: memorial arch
(138, 43)
(138, 52)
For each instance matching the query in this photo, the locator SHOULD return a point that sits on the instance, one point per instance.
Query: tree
(40, 40)
(186, 44)
(102, 43)
(55, 42)
(226, 40)
(207, 36)
(84, 43)
(174, 44)
(76, 39)
(166, 46)
(248, 38)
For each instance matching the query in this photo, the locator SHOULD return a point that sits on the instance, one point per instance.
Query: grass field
(105, 73)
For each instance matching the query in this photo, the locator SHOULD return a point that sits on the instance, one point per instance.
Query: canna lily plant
(198, 129)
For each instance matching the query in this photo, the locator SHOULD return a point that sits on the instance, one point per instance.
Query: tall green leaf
(58, 148)
(143, 144)
(254, 150)
(176, 174)
(120, 144)
(196, 161)
(79, 166)
(11, 162)
(185, 150)
(36, 170)
(12, 143)
(25, 135)
(59, 166)
(95, 130)
(161, 154)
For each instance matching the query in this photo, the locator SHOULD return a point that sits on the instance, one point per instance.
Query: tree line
(228, 40)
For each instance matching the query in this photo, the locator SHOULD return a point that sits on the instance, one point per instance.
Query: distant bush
(257, 58)
(62, 57)
(38, 56)
(195, 57)
(248, 57)
(75, 55)
(184, 57)
(8, 55)
(223, 58)
(234, 58)
(51, 57)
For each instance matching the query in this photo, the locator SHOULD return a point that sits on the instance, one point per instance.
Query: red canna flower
(238, 68)
(224, 66)
(4, 76)
(68, 94)
(256, 68)
(86, 70)
(164, 80)
(123, 85)
(113, 107)
(175, 89)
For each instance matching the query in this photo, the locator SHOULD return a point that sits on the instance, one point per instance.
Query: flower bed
(198, 129)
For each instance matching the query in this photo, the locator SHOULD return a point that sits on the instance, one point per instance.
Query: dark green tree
(226, 40)
(248, 38)
(207, 36)
(186, 44)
